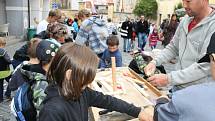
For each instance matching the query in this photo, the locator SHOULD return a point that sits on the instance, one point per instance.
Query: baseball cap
(46, 50)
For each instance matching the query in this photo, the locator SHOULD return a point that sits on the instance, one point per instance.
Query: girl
(153, 38)
(68, 97)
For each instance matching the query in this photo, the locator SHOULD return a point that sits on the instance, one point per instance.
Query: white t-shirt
(42, 26)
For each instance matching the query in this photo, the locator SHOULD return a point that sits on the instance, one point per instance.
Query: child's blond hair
(2, 41)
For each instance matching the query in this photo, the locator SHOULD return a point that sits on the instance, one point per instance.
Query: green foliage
(179, 6)
(148, 8)
(179, 10)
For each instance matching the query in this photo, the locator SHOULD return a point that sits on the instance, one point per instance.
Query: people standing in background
(126, 34)
(169, 30)
(143, 31)
(151, 28)
(111, 27)
(134, 30)
(54, 15)
(154, 38)
(76, 28)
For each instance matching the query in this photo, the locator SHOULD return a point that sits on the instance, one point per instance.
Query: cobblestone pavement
(5, 114)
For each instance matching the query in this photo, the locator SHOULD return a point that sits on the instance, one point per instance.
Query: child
(112, 51)
(68, 97)
(153, 38)
(16, 78)
(45, 51)
(4, 67)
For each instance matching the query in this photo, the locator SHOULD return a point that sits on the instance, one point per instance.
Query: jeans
(127, 44)
(142, 37)
(1, 89)
(8, 91)
(153, 47)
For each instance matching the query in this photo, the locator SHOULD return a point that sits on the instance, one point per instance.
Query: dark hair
(83, 12)
(32, 46)
(56, 30)
(56, 12)
(112, 40)
(83, 64)
(75, 19)
(109, 19)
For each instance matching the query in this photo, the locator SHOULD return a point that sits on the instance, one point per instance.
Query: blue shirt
(75, 26)
(105, 61)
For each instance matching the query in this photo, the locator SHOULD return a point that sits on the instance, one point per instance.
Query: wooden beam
(152, 88)
(113, 63)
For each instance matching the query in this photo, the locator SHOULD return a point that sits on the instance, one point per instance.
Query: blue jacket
(105, 61)
(93, 32)
(75, 26)
(194, 103)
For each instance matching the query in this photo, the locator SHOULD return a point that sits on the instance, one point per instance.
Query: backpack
(29, 96)
(140, 61)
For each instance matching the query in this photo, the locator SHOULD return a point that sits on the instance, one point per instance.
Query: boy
(5, 69)
(45, 51)
(16, 78)
(112, 51)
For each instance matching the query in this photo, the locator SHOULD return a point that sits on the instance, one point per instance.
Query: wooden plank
(133, 93)
(113, 63)
(150, 86)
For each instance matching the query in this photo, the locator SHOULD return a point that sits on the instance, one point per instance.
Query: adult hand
(150, 69)
(164, 96)
(159, 80)
(143, 116)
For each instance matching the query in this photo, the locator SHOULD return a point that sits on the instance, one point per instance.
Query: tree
(148, 8)
(179, 10)
(179, 6)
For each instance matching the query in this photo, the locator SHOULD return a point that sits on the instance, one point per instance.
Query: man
(142, 30)
(189, 44)
(54, 15)
(93, 32)
(184, 107)
(126, 34)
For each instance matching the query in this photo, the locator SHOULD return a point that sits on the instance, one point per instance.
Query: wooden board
(129, 90)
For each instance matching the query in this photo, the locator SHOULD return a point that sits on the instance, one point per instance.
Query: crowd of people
(52, 71)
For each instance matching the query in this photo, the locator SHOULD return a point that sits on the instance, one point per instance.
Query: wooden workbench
(128, 89)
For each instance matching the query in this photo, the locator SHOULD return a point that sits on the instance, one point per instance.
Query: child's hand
(143, 116)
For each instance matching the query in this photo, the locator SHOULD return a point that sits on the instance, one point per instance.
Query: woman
(169, 30)
(68, 97)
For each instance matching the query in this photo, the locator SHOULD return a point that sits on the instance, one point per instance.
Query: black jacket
(142, 27)
(127, 25)
(23, 73)
(56, 108)
(21, 54)
(4, 60)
